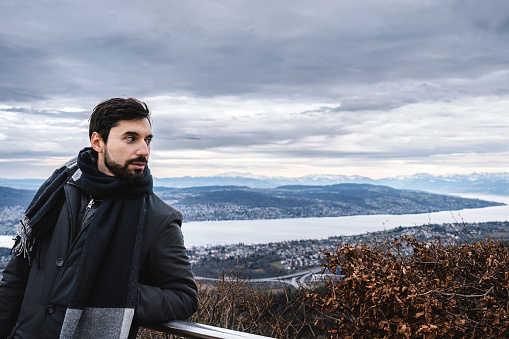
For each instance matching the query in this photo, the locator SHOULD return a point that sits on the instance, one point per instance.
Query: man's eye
(148, 141)
(131, 139)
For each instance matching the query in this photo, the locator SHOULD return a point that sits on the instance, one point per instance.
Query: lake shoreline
(211, 233)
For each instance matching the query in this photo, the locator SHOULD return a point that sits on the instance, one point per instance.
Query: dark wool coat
(33, 299)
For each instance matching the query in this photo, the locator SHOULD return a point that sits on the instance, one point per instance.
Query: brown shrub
(391, 288)
(405, 288)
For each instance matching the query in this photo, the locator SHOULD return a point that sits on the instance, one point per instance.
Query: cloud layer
(274, 88)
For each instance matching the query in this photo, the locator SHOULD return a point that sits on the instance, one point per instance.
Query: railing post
(194, 330)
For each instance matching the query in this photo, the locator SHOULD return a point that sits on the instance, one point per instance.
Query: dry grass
(238, 304)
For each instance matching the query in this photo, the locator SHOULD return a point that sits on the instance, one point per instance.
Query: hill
(15, 197)
(301, 201)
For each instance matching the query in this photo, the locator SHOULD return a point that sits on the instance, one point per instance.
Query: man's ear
(97, 142)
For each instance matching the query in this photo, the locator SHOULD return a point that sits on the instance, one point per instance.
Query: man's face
(126, 153)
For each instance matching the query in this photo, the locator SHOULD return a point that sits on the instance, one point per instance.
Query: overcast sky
(274, 88)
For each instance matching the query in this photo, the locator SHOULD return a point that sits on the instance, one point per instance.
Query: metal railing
(193, 330)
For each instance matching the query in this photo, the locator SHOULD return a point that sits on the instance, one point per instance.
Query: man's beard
(123, 172)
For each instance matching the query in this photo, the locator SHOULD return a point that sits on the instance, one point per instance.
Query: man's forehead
(139, 126)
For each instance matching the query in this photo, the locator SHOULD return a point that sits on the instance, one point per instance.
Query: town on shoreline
(257, 261)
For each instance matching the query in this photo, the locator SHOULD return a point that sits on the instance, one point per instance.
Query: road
(297, 279)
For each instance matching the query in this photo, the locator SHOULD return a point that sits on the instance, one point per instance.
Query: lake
(204, 233)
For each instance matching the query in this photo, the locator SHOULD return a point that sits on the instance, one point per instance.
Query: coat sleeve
(169, 290)
(12, 290)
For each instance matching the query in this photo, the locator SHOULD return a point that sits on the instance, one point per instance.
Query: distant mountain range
(484, 183)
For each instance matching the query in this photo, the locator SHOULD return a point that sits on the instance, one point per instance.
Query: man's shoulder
(154, 201)
(157, 208)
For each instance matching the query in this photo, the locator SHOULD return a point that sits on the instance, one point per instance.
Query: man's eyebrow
(150, 136)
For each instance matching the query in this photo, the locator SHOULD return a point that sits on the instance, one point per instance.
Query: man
(98, 253)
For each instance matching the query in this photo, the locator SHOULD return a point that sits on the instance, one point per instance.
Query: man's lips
(138, 165)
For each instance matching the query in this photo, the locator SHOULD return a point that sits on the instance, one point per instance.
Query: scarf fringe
(23, 242)
(25, 238)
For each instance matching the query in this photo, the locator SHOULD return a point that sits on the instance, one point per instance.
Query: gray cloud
(229, 47)
(286, 79)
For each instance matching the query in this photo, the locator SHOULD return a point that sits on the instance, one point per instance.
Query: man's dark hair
(109, 112)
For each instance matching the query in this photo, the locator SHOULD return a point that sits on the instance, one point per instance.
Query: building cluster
(294, 254)
(9, 219)
(231, 211)
(215, 212)
(4, 259)
(303, 254)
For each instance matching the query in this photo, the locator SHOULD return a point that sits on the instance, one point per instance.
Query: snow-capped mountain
(485, 183)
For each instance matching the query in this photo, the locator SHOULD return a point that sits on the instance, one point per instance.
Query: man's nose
(143, 149)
